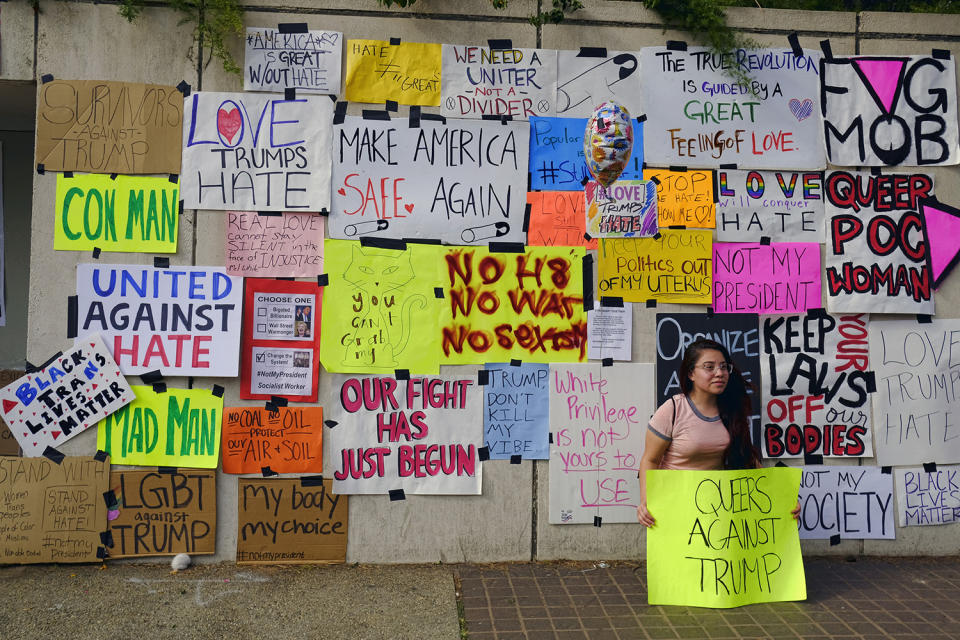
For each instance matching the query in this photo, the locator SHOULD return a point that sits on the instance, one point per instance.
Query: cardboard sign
(53, 512)
(710, 548)
(162, 514)
(478, 81)
(288, 440)
(102, 126)
(65, 398)
(176, 428)
(256, 152)
(817, 379)
(557, 220)
(184, 321)
(516, 411)
(684, 198)
(290, 521)
(420, 435)
(123, 213)
(504, 306)
(625, 209)
(307, 61)
(855, 503)
(281, 340)
(599, 420)
(462, 181)
(927, 497)
(407, 73)
(276, 246)
(585, 80)
(382, 312)
(676, 267)
(782, 277)
(914, 406)
(8, 444)
(707, 117)
(780, 205)
(876, 254)
(890, 110)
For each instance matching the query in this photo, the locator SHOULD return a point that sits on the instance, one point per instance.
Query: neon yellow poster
(407, 73)
(674, 267)
(125, 213)
(724, 538)
(175, 428)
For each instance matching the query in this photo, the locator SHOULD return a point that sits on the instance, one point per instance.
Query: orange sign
(289, 440)
(557, 220)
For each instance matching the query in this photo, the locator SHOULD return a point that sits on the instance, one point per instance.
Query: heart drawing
(229, 123)
(801, 110)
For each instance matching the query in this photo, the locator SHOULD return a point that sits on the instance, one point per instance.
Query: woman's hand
(644, 516)
(796, 511)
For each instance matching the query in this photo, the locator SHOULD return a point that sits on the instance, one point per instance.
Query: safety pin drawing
(360, 228)
(485, 232)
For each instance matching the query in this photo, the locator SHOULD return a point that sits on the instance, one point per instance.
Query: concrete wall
(502, 524)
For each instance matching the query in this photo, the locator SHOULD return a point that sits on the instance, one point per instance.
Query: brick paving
(870, 598)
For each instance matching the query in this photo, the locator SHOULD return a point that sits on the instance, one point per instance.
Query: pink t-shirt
(696, 441)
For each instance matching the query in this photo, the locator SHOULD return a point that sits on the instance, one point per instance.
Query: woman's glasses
(710, 367)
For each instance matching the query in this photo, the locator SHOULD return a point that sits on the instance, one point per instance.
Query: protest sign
(625, 209)
(556, 154)
(751, 277)
(52, 512)
(876, 249)
(610, 332)
(684, 197)
(675, 267)
(291, 521)
(102, 126)
(308, 61)
(585, 80)
(880, 110)
(502, 306)
(407, 72)
(382, 312)
(8, 444)
(855, 503)
(162, 513)
(723, 538)
(516, 411)
(285, 440)
(479, 81)
(172, 428)
(420, 435)
(116, 213)
(461, 181)
(281, 340)
(927, 497)
(817, 382)
(289, 245)
(65, 398)
(557, 220)
(752, 208)
(916, 394)
(942, 225)
(256, 152)
(599, 420)
(179, 320)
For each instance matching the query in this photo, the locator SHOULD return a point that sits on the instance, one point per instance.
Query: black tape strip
(159, 387)
(268, 472)
(655, 180)
(550, 437)
(607, 362)
(729, 165)
(834, 539)
(678, 168)
(876, 171)
(391, 105)
(110, 498)
(651, 303)
(68, 174)
(397, 494)
(587, 284)
(47, 77)
(679, 227)
(765, 240)
(812, 458)
(514, 362)
(493, 116)
(483, 377)
(506, 247)
(483, 454)
(924, 318)
(611, 301)
(52, 454)
(330, 424)
(279, 401)
(587, 237)
(780, 463)
(526, 216)
(941, 54)
(289, 278)
(394, 41)
(676, 45)
(817, 312)
(323, 212)
(101, 455)
(516, 459)
(709, 311)
(217, 391)
(585, 180)
(414, 117)
(383, 243)
(716, 185)
(96, 253)
(72, 313)
(50, 360)
(290, 94)
(151, 376)
(184, 88)
(402, 374)
(870, 378)
(592, 52)
(930, 467)
(529, 181)
(339, 113)
(170, 471)
(500, 44)
(597, 521)
(827, 49)
(657, 235)
(642, 117)
(272, 408)
(292, 27)
(438, 292)
(106, 538)
(102, 553)
(794, 41)
(323, 280)
(173, 178)
(434, 116)
(311, 481)
(886, 470)
(376, 114)
(40, 169)
(113, 176)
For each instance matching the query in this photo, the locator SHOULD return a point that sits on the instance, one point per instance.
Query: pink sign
(274, 245)
(942, 223)
(781, 277)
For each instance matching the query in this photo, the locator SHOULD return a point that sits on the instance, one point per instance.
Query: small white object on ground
(180, 561)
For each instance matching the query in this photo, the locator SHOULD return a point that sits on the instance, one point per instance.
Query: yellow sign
(676, 267)
(128, 213)
(176, 428)
(684, 197)
(723, 538)
(407, 73)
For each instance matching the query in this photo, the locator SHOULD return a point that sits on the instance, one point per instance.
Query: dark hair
(733, 403)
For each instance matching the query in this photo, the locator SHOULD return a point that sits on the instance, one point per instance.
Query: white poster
(699, 114)
(817, 379)
(785, 206)
(928, 497)
(68, 396)
(587, 78)
(308, 61)
(916, 405)
(478, 81)
(890, 110)
(855, 503)
(420, 435)
(463, 181)
(256, 152)
(183, 321)
(610, 332)
(598, 416)
(281, 372)
(283, 316)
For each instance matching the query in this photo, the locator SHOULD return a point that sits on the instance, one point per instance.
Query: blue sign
(516, 411)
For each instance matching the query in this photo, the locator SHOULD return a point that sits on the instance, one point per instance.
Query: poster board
(101, 126)
(854, 503)
(586, 78)
(927, 497)
(781, 277)
(557, 220)
(516, 411)
(287, 245)
(625, 209)
(159, 513)
(785, 206)
(684, 198)
(307, 61)
(407, 72)
(610, 332)
(288, 440)
(676, 267)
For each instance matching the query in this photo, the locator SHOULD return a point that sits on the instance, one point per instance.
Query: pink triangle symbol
(883, 75)
(942, 224)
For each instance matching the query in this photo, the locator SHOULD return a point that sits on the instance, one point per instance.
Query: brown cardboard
(52, 512)
(271, 509)
(8, 444)
(109, 127)
(163, 514)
